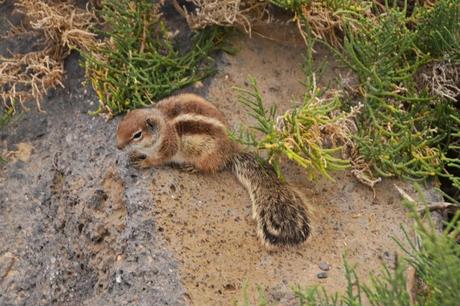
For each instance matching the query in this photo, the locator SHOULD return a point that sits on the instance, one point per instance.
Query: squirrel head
(139, 128)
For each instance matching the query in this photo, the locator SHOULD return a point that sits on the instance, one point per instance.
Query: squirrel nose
(120, 146)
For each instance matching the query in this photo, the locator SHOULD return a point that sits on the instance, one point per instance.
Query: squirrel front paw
(138, 160)
(184, 167)
(140, 164)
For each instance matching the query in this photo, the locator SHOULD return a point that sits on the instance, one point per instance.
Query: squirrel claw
(139, 164)
(138, 160)
(188, 169)
(134, 156)
(184, 167)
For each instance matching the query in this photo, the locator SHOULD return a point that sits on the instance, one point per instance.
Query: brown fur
(190, 131)
(282, 218)
(137, 121)
(197, 127)
(189, 104)
(128, 126)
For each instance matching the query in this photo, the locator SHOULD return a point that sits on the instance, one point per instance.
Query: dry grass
(136, 62)
(328, 18)
(313, 134)
(28, 76)
(237, 13)
(61, 27)
(442, 79)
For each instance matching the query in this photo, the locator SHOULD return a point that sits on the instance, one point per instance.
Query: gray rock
(98, 198)
(322, 275)
(72, 245)
(324, 266)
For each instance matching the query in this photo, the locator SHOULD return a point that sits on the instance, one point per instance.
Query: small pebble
(321, 275)
(198, 84)
(324, 266)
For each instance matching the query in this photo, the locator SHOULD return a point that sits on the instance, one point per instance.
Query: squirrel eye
(137, 135)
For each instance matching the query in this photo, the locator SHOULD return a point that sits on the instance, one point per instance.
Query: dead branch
(438, 206)
(238, 13)
(61, 27)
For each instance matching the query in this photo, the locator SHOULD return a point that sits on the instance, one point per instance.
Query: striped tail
(282, 218)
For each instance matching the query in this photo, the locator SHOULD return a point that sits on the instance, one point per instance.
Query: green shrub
(310, 134)
(290, 4)
(402, 131)
(137, 63)
(438, 30)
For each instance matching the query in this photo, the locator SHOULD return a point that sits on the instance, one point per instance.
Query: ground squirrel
(188, 131)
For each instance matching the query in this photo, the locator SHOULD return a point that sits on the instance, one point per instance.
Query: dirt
(206, 219)
(79, 226)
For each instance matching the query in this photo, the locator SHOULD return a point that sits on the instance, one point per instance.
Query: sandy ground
(80, 227)
(206, 219)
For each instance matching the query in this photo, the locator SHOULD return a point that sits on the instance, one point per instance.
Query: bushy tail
(282, 218)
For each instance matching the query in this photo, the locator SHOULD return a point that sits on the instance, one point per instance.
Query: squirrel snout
(120, 146)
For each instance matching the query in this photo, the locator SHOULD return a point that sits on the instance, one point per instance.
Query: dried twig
(55, 163)
(411, 284)
(240, 13)
(437, 206)
(443, 80)
(429, 207)
(9, 265)
(61, 27)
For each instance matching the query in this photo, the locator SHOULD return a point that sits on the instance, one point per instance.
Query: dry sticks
(61, 26)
